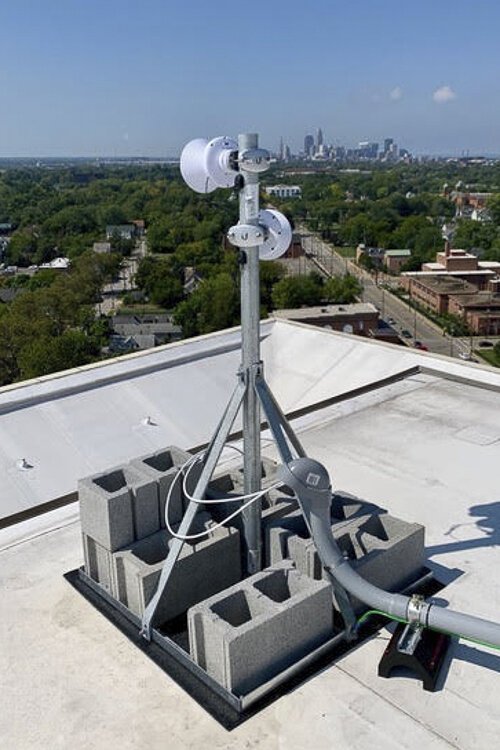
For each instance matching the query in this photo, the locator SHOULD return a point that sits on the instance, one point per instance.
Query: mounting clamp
(246, 235)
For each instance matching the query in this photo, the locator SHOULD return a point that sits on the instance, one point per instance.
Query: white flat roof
(426, 448)
(79, 422)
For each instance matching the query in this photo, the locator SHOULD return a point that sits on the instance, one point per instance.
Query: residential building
(192, 279)
(284, 191)
(395, 259)
(376, 254)
(140, 227)
(124, 231)
(101, 247)
(466, 202)
(145, 331)
(391, 260)
(58, 264)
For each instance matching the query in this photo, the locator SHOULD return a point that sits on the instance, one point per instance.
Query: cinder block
(162, 467)
(106, 513)
(277, 532)
(346, 506)
(202, 569)
(257, 628)
(145, 503)
(385, 550)
(99, 564)
(118, 507)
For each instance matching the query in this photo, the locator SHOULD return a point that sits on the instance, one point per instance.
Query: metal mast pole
(250, 344)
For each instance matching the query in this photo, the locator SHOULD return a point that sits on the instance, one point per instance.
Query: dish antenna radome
(208, 165)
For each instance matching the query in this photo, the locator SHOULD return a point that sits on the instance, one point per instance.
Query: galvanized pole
(250, 345)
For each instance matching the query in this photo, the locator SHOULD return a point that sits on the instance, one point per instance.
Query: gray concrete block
(118, 507)
(106, 512)
(162, 467)
(145, 503)
(99, 564)
(202, 569)
(257, 628)
(346, 506)
(277, 532)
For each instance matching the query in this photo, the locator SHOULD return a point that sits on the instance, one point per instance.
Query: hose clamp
(417, 610)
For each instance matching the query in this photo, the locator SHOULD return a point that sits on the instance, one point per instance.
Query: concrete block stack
(242, 632)
(125, 542)
(385, 550)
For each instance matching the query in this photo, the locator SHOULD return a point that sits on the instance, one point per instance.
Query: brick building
(433, 292)
(395, 259)
(481, 312)
(359, 318)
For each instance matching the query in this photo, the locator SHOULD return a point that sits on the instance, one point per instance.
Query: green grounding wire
(379, 612)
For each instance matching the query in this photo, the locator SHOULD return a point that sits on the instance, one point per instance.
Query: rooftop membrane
(412, 432)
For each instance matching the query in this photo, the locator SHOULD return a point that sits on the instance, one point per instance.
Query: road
(125, 282)
(391, 308)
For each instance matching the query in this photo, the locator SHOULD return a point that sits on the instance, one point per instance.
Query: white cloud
(444, 94)
(396, 94)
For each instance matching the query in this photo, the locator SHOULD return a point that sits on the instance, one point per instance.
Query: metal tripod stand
(251, 392)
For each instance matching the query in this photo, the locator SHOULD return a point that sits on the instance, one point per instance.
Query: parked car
(465, 355)
(419, 345)
(484, 344)
(406, 333)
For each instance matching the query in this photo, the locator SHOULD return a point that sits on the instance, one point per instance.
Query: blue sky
(95, 77)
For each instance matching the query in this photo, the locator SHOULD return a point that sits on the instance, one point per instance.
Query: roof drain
(310, 481)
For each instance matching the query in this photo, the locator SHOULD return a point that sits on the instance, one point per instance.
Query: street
(125, 282)
(392, 308)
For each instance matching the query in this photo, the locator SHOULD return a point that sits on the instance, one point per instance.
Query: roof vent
(23, 464)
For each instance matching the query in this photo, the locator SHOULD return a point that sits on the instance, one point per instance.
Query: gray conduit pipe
(310, 481)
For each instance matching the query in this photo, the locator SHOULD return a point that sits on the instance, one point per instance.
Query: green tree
(47, 354)
(211, 307)
(295, 291)
(270, 273)
(342, 289)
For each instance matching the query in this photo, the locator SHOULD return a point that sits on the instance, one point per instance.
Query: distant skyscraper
(319, 141)
(387, 144)
(309, 145)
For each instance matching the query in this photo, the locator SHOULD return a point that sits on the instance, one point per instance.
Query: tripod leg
(278, 423)
(281, 430)
(212, 456)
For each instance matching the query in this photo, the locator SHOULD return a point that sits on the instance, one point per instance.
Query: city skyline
(139, 78)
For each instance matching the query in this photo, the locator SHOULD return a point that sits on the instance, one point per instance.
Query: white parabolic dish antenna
(279, 234)
(205, 165)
